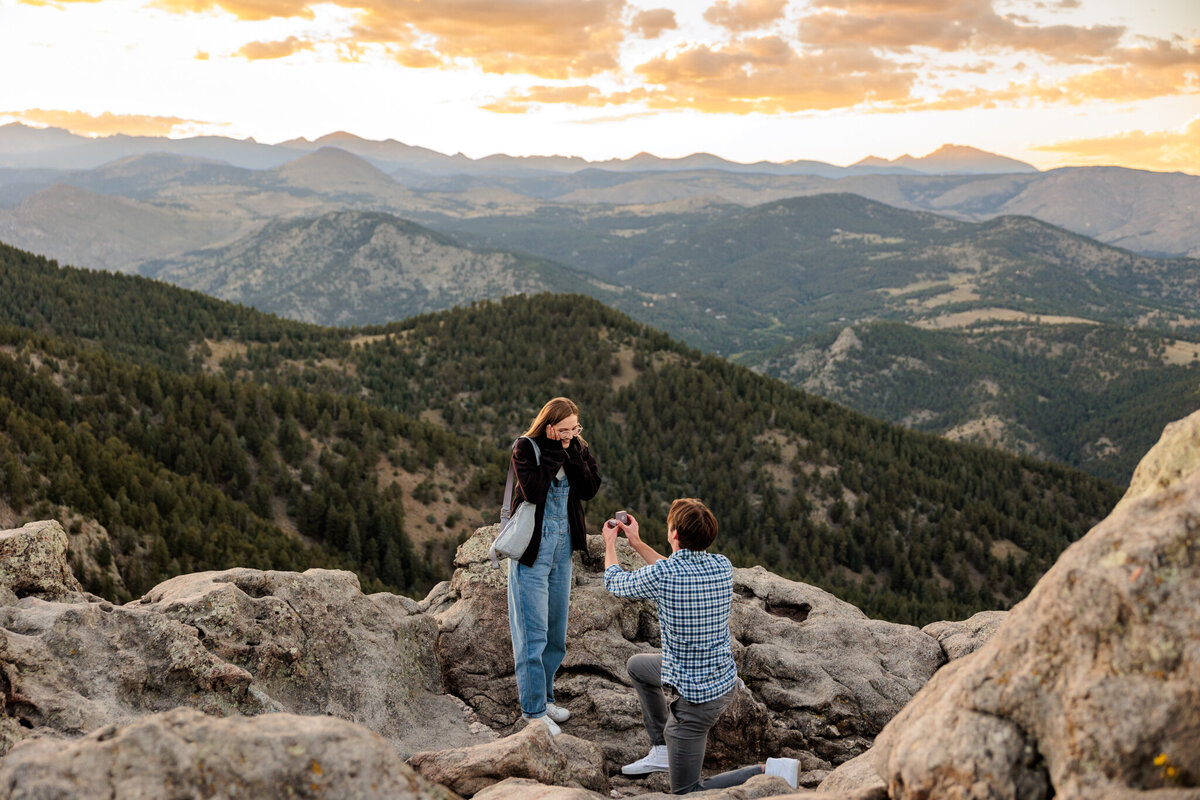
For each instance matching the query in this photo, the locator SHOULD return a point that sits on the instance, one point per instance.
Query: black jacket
(533, 484)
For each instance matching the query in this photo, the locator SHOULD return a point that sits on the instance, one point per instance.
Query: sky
(1050, 82)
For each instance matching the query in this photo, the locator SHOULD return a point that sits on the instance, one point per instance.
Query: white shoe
(786, 768)
(655, 761)
(557, 713)
(551, 724)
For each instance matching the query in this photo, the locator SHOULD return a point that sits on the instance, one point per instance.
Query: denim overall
(538, 599)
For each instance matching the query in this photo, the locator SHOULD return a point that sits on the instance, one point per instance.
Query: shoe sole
(643, 771)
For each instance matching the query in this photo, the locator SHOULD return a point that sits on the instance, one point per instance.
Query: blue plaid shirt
(694, 591)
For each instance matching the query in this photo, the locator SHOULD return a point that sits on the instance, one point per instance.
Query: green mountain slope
(354, 267)
(909, 525)
(1093, 396)
(327, 446)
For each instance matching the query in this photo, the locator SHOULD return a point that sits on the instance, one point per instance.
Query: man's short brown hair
(693, 522)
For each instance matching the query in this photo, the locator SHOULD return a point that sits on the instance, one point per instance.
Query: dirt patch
(438, 516)
(364, 340)
(433, 416)
(1181, 353)
(1003, 548)
(220, 350)
(964, 319)
(987, 430)
(626, 374)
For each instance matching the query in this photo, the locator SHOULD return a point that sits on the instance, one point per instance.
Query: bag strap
(506, 509)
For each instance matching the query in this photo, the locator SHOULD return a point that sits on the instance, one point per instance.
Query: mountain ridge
(41, 146)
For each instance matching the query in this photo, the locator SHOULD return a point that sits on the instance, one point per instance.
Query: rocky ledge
(257, 684)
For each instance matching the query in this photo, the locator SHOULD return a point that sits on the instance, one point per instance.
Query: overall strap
(506, 509)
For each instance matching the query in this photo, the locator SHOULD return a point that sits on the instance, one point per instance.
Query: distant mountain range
(248, 184)
(22, 146)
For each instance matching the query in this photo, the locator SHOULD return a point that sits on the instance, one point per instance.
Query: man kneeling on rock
(694, 592)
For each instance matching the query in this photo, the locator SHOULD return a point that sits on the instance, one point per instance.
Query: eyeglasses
(578, 429)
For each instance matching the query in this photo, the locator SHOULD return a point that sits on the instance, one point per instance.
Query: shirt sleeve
(641, 583)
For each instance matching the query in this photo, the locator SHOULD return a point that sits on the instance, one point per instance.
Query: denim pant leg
(528, 612)
(645, 670)
(687, 738)
(558, 607)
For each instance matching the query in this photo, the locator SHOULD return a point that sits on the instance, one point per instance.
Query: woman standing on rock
(557, 478)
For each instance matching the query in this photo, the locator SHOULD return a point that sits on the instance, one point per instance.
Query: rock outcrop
(313, 643)
(226, 643)
(1091, 685)
(532, 753)
(186, 754)
(823, 678)
(962, 638)
(33, 562)
(1088, 688)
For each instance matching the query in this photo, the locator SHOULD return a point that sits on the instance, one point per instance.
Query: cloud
(520, 102)
(250, 10)
(1152, 150)
(548, 38)
(54, 3)
(950, 25)
(259, 51)
(1107, 85)
(556, 39)
(745, 15)
(756, 75)
(106, 124)
(652, 24)
(766, 75)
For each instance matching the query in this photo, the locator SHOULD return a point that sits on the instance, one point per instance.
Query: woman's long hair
(553, 413)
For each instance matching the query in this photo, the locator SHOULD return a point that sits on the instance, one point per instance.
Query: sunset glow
(1053, 82)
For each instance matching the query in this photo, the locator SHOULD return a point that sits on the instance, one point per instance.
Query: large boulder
(830, 677)
(185, 754)
(70, 668)
(533, 753)
(1091, 685)
(963, 637)
(854, 775)
(823, 678)
(315, 644)
(33, 562)
(227, 643)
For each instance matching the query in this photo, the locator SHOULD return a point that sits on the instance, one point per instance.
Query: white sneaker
(557, 713)
(786, 768)
(655, 761)
(551, 724)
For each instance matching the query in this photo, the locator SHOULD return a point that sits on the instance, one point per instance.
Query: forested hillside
(1089, 395)
(305, 445)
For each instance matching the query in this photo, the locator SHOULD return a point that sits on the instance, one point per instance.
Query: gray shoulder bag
(517, 530)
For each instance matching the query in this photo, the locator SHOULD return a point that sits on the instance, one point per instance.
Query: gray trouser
(683, 727)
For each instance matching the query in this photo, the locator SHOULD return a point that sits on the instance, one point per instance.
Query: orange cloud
(745, 15)
(949, 25)
(765, 75)
(259, 51)
(250, 10)
(1153, 150)
(106, 124)
(519, 102)
(1112, 84)
(54, 3)
(652, 24)
(549, 38)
